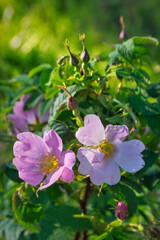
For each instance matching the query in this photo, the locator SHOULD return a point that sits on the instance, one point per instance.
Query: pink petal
(128, 155)
(32, 178)
(30, 117)
(54, 142)
(68, 159)
(18, 122)
(88, 156)
(18, 107)
(67, 175)
(105, 172)
(31, 146)
(26, 164)
(116, 133)
(52, 178)
(42, 118)
(93, 131)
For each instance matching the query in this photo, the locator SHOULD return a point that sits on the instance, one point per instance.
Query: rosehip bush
(85, 136)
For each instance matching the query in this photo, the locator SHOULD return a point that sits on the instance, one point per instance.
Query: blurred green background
(34, 31)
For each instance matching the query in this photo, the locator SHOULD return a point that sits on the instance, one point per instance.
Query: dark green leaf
(151, 111)
(154, 90)
(138, 74)
(59, 234)
(139, 103)
(122, 72)
(151, 179)
(134, 185)
(11, 172)
(27, 214)
(60, 127)
(33, 100)
(44, 106)
(141, 50)
(62, 217)
(45, 78)
(145, 40)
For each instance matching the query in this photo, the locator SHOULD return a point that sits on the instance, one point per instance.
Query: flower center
(48, 164)
(107, 148)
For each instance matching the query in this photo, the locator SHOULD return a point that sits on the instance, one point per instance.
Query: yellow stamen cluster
(107, 148)
(48, 164)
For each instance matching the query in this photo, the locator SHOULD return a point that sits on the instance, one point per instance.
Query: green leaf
(151, 111)
(24, 78)
(55, 78)
(114, 57)
(134, 185)
(151, 179)
(115, 119)
(45, 78)
(10, 228)
(153, 123)
(141, 76)
(141, 50)
(7, 90)
(140, 104)
(122, 72)
(51, 92)
(2, 181)
(63, 217)
(27, 214)
(154, 90)
(59, 234)
(11, 172)
(145, 40)
(104, 236)
(126, 49)
(39, 69)
(138, 74)
(113, 83)
(69, 69)
(60, 127)
(44, 106)
(33, 100)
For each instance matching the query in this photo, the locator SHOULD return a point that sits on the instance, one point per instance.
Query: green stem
(79, 120)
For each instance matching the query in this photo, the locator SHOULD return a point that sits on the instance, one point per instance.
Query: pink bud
(123, 35)
(72, 103)
(121, 210)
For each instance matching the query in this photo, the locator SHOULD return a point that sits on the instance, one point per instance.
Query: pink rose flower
(36, 158)
(121, 210)
(104, 152)
(21, 119)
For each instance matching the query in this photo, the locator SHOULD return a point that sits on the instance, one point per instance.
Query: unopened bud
(72, 103)
(84, 55)
(154, 232)
(121, 210)
(73, 60)
(123, 35)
